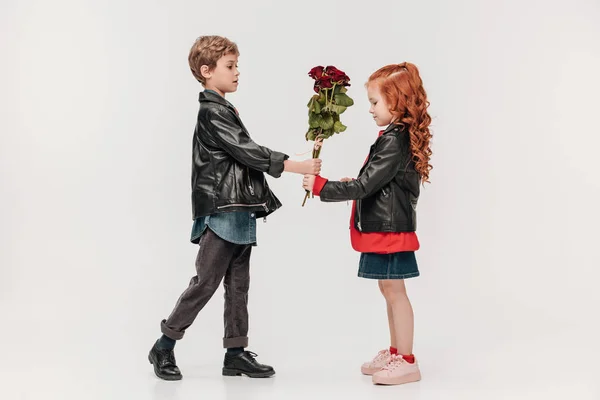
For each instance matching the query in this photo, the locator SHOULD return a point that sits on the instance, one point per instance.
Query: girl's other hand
(308, 182)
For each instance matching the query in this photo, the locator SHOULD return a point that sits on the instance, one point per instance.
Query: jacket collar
(208, 96)
(392, 127)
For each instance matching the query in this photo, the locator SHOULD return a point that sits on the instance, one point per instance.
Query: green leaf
(338, 109)
(326, 122)
(321, 99)
(314, 120)
(311, 134)
(313, 104)
(343, 89)
(317, 107)
(343, 99)
(327, 133)
(339, 127)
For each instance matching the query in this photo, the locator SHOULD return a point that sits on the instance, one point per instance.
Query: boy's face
(379, 109)
(224, 78)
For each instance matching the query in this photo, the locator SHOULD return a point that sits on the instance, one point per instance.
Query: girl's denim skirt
(400, 265)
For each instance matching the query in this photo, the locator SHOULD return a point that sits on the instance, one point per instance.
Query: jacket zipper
(264, 205)
(249, 182)
(358, 203)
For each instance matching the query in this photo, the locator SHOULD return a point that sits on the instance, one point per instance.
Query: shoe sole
(369, 371)
(414, 377)
(163, 377)
(239, 372)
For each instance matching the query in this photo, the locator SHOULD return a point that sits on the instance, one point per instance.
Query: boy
(229, 191)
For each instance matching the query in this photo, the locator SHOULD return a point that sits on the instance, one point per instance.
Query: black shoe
(164, 364)
(244, 363)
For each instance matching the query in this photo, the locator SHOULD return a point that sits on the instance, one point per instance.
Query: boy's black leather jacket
(387, 188)
(228, 167)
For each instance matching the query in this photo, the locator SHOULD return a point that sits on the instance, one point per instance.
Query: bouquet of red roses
(325, 107)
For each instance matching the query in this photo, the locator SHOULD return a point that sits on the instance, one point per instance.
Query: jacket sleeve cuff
(276, 164)
(319, 185)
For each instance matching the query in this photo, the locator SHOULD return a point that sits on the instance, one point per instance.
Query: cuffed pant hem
(168, 332)
(240, 341)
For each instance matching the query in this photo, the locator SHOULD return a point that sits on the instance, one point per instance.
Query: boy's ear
(205, 71)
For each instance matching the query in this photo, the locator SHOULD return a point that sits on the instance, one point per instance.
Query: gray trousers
(218, 260)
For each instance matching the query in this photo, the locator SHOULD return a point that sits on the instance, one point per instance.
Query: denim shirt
(234, 227)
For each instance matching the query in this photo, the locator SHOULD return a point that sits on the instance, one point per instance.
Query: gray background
(97, 109)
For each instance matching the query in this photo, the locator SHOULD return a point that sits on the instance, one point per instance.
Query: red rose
(325, 82)
(316, 72)
(317, 87)
(325, 78)
(341, 78)
(331, 70)
(337, 76)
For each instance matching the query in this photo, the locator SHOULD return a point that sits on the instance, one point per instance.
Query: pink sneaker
(397, 372)
(381, 360)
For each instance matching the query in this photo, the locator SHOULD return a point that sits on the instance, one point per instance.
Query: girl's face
(379, 109)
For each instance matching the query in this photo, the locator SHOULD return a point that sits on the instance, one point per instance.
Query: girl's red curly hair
(402, 90)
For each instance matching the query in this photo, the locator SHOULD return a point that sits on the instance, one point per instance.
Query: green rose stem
(315, 154)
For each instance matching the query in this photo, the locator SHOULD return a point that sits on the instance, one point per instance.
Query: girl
(383, 222)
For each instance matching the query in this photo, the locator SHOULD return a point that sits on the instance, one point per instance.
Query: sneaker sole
(239, 372)
(414, 377)
(163, 377)
(369, 371)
